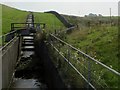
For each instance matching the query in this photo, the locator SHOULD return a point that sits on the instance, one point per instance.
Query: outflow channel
(29, 71)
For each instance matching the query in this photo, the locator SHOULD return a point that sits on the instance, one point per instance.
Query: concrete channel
(34, 69)
(29, 71)
(26, 63)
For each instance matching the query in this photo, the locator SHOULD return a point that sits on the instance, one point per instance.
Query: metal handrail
(65, 30)
(8, 33)
(73, 66)
(27, 23)
(86, 55)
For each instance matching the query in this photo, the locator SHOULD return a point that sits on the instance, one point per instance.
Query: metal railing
(15, 26)
(92, 71)
(67, 30)
(7, 37)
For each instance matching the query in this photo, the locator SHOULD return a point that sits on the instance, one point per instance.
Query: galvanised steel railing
(93, 72)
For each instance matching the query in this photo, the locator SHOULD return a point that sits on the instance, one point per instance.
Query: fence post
(12, 26)
(89, 69)
(89, 73)
(84, 68)
(68, 55)
(55, 31)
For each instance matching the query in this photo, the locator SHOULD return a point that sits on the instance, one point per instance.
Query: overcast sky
(73, 7)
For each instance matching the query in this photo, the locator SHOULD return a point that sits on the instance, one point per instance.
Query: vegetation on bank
(99, 39)
(51, 21)
(94, 36)
(12, 15)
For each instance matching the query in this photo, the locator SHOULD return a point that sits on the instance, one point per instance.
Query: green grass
(102, 42)
(99, 42)
(11, 15)
(51, 21)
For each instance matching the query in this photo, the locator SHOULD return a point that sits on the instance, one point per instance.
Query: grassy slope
(52, 22)
(99, 42)
(11, 15)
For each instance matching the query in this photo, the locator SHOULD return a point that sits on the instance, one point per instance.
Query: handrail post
(68, 56)
(88, 69)
(12, 26)
(89, 73)
(3, 40)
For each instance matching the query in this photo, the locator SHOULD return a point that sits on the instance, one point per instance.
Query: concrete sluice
(35, 68)
(29, 71)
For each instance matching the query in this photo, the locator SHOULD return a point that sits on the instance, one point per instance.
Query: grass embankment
(96, 37)
(99, 41)
(102, 44)
(51, 21)
(11, 15)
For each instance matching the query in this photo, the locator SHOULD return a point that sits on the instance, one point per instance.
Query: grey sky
(72, 8)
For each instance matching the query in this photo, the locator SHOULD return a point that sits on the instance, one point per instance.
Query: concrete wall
(9, 58)
(52, 77)
(0, 69)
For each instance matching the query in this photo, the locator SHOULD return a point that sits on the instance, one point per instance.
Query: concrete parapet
(9, 58)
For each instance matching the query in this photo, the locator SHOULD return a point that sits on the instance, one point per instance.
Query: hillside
(52, 22)
(12, 15)
(98, 40)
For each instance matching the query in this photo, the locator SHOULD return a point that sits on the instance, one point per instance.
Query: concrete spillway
(26, 63)
(29, 72)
